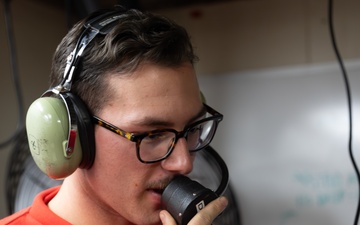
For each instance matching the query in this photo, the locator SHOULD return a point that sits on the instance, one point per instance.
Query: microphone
(183, 197)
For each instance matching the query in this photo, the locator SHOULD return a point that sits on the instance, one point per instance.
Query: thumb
(166, 218)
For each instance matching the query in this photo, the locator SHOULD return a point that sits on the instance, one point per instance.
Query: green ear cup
(47, 125)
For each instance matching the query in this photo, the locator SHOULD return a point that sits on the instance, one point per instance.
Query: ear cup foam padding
(85, 129)
(47, 125)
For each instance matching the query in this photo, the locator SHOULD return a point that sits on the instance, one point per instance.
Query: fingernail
(162, 216)
(224, 201)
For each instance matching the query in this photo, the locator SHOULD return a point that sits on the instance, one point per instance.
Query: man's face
(153, 97)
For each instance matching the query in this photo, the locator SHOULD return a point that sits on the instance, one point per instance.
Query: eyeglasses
(154, 146)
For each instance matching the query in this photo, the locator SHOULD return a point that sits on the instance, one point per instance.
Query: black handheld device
(183, 197)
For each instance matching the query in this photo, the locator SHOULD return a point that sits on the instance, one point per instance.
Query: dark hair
(136, 38)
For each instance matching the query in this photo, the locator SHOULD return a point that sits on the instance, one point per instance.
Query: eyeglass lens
(159, 143)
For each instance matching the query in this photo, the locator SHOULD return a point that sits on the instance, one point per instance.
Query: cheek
(105, 139)
(116, 169)
(116, 163)
(115, 160)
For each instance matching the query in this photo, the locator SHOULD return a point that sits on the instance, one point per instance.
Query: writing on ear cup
(47, 126)
(85, 129)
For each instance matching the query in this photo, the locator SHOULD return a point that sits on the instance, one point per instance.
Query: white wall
(269, 67)
(285, 137)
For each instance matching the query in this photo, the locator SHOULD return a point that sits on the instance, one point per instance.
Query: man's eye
(195, 129)
(155, 137)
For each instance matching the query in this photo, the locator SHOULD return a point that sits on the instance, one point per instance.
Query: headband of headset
(102, 24)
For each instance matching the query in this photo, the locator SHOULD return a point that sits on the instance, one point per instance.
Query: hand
(205, 217)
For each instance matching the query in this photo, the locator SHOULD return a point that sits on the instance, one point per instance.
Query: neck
(78, 205)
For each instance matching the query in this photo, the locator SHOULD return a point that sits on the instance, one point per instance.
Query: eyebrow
(158, 122)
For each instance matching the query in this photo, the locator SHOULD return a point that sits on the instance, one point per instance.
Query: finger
(207, 215)
(166, 218)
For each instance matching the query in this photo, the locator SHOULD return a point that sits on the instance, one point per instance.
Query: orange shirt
(38, 213)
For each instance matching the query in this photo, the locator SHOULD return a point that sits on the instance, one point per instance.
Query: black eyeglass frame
(138, 137)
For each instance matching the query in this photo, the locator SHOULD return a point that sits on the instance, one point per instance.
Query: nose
(180, 160)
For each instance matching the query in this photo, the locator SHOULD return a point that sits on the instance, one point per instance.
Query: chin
(148, 221)
(147, 218)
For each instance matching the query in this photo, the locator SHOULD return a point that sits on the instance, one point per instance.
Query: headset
(58, 124)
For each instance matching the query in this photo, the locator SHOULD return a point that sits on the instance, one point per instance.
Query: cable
(15, 75)
(224, 170)
(348, 95)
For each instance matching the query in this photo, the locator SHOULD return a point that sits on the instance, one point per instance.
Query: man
(138, 82)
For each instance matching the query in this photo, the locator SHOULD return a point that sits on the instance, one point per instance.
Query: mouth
(158, 187)
(157, 190)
